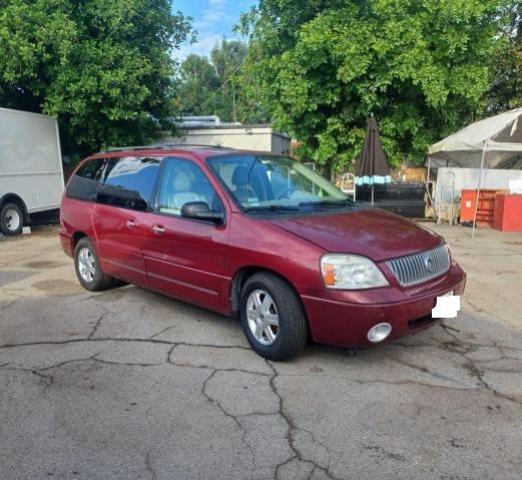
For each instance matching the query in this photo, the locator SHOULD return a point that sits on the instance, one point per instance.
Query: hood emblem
(428, 263)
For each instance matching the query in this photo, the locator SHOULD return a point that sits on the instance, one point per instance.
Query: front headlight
(350, 272)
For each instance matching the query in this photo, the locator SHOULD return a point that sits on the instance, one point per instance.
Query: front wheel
(11, 219)
(88, 269)
(272, 317)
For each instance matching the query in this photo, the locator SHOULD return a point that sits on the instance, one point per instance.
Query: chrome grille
(420, 267)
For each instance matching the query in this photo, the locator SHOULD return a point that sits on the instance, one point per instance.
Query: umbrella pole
(479, 188)
(372, 194)
(430, 201)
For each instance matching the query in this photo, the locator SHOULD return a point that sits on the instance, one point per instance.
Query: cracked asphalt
(128, 384)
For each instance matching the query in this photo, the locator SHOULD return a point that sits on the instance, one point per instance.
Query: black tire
(11, 224)
(116, 282)
(292, 332)
(100, 280)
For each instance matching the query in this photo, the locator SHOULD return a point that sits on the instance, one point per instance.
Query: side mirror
(200, 211)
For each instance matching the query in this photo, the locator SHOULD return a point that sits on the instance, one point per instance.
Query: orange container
(468, 199)
(485, 210)
(508, 213)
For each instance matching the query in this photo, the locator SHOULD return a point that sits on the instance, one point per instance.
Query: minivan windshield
(265, 182)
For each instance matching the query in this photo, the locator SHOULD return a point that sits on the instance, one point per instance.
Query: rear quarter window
(84, 183)
(129, 182)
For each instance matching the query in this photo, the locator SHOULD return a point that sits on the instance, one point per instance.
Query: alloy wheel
(86, 264)
(262, 316)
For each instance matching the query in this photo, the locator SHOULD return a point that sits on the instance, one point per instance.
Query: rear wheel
(272, 317)
(88, 269)
(11, 219)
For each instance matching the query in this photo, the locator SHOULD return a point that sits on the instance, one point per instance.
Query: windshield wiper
(329, 203)
(272, 208)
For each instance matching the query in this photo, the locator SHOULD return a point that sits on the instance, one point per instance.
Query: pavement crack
(64, 363)
(234, 418)
(48, 379)
(447, 327)
(290, 434)
(124, 364)
(160, 332)
(478, 309)
(93, 358)
(96, 326)
(311, 474)
(208, 367)
(422, 369)
(117, 339)
(475, 371)
(80, 340)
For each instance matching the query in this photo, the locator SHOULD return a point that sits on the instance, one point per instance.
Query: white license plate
(447, 306)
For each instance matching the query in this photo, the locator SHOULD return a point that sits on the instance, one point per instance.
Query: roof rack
(163, 146)
(192, 145)
(122, 149)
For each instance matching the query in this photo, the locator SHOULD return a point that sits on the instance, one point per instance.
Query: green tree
(228, 59)
(506, 72)
(321, 67)
(215, 85)
(104, 68)
(199, 83)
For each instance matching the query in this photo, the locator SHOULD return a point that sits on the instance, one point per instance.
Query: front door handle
(158, 229)
(132, 223)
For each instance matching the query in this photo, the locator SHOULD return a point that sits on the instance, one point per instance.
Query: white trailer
(245, 137)
(31, 172)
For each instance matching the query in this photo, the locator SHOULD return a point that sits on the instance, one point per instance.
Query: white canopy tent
(494, 142)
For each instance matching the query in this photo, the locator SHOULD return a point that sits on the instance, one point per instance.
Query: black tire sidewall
(99, 281)
(3, 226)
(290, 313)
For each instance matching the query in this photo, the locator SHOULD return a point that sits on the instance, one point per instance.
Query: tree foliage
(215, 85)
(323, 66)
(103, 67)
(506, 72)
(198, 86)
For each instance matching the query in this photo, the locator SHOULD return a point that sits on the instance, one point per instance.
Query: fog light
(379, 332)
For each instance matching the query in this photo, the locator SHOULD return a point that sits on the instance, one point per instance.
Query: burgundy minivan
(255, 235)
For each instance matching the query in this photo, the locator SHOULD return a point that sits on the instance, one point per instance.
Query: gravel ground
(128, 384)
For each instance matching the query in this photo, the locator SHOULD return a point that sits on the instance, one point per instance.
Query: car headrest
(182, 182)
(241, 175)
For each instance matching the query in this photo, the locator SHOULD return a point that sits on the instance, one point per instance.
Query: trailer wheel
(11, 219)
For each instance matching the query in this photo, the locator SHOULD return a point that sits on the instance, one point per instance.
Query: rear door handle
(158, 229)
(132, 223)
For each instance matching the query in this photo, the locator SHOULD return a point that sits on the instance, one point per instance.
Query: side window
(183, 181)
(84, 183)
(129, 182)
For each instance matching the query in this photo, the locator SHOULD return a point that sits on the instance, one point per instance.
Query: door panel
(185, 258)
(120, 235)
(123, 201)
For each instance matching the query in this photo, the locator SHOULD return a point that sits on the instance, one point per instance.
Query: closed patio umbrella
(372, 167)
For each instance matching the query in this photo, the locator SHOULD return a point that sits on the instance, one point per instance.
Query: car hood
(372, 232)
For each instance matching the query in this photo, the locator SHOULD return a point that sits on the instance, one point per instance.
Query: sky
(213, 20)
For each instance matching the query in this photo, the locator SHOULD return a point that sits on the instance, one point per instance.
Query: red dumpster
(508, 213)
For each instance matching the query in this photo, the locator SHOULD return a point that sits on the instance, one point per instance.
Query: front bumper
(339, 322)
